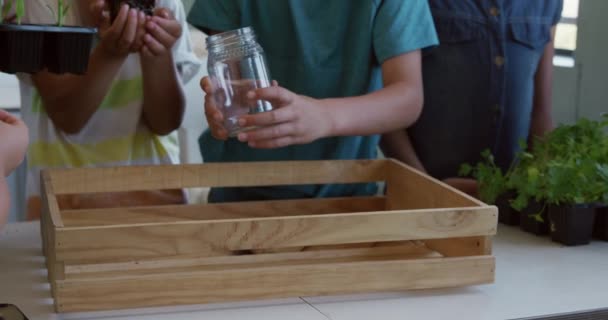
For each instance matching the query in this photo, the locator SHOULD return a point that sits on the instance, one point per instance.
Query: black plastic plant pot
(147, 6)
(600, 229)
(530, 224)
(506, 214)
(572, 225)
(32, 48)
(67, 49)
(21, 48)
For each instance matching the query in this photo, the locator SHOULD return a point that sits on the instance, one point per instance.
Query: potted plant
(493, 188)
(526, 181)
(600, 230)
(575, 179)
(32, 48)
(146, 6)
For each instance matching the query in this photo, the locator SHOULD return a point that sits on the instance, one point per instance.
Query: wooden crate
(422, 234)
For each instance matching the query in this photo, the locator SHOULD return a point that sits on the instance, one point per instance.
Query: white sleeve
(187, 62)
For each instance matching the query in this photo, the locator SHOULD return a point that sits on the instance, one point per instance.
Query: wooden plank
(50, 199)
(364, 252)
(258, 209)
(120, 179)
(49, 220)
(208, 237)
(267, 282)
(411, 189)
(462, 247)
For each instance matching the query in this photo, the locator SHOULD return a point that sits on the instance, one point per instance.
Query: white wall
(565, 94)
(582, 91)
(592, 59)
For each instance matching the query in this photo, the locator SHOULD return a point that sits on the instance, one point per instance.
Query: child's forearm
(164, 101)
(542, 120)
(397, 145)
(71, 100)
(396, 106)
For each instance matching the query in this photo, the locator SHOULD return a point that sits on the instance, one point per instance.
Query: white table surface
(534, 277)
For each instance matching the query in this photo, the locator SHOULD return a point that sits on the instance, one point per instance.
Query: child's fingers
(207, 85)
(276, 95)
(163, 13)
(155, 47)
(214, 116)
(275, 83)
(115, 32)
(215, 120)
(105, 21)
(218, 132)
(130, 30)
(141, 31)
(160, 34)
(172, 27)
(212, 113)
(268, 133)
(263, 119)
(8, 118)
(97, 10)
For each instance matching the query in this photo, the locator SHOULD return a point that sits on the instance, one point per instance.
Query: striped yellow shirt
(115, 134)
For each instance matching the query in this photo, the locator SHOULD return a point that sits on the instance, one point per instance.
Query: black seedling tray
(32, 48)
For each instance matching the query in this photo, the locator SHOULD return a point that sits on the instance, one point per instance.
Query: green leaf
(19, 10)
(538, 217)
(6, 8)
(520, 202)
(522, 144)
(465, 170)
(62, 10)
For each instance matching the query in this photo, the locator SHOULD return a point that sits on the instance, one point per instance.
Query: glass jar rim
(228, 36)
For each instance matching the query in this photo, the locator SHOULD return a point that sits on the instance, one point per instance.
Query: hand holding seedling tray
(32, 48)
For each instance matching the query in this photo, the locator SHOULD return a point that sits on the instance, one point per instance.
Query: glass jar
(237, 65)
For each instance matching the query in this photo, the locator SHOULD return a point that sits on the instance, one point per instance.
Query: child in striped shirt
(124, 111)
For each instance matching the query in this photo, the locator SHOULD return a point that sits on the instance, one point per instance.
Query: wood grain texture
(267, 282)
(411, 189)
(55, 270)
(311, 255)
(258, 209)
(50, 199)
(121, 179)
(210, 237)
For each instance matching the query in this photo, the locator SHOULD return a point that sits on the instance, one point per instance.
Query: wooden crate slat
(311, 255)
(272, 282)
(50, 200)
(122, 179)
(257, 209)
(210, 237)
(47, 232)
(410, 189)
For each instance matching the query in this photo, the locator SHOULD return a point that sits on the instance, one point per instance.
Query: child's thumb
(104, 20)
